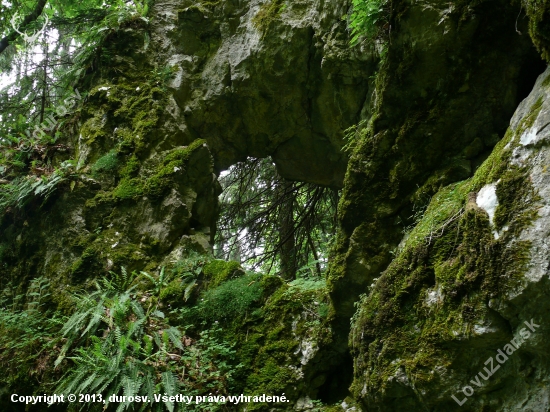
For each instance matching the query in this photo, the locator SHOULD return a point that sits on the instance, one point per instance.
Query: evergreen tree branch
(30, 18)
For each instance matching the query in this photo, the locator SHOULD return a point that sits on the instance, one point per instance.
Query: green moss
(267, 320)
(218, 271)
(128, 189)
(268, 13)
(92, 129)
(289, 315)
(453, 251)
(87, 263)
(516, 199)
(466, 265)
(103, 253)
(231, 299)
(101, 198)
(448, 202)
(174, 162)
(131, 169)
(173, 294)
(533, 114)
(270, 284)
(273, 377)
(417, 129)
(154, 185)
(123, 115)
(106, 164)
(538, 12)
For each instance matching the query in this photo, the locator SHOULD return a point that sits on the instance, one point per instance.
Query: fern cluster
(119, 347)
(178, 284)
(28, 333)
(118, 340)
(18, 192)
(367, 18)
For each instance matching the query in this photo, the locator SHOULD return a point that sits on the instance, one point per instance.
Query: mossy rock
(218, 271)
(430, 307)
(174, 293)
(539, 26)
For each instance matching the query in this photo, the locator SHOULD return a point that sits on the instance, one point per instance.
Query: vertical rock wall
(458, 320)
(450, 81)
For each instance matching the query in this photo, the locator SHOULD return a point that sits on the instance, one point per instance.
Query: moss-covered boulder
(218, 271)
(281, 333)
(450, 80)
(470, 280)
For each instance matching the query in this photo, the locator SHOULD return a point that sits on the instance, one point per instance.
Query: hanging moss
(538, 12)
(516, 200)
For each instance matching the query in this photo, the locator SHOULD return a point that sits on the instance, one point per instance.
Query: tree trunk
(44, 79)
(286, 231)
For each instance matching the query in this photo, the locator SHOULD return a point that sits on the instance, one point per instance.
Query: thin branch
(30, 18)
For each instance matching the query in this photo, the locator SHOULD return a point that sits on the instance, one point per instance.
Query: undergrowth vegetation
(232, 298)
(27, 333)
(117, 341)
(137, 352)
(199, 326)
(21, 190)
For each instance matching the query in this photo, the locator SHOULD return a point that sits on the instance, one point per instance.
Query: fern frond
(175, 336)
(189, 288)
(170, 386)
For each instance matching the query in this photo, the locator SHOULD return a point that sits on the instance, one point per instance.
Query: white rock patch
(308, 349)
(487, 200)
(528, 137)
(434, 297)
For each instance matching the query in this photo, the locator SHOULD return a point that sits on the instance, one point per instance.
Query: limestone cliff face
(263, 78)
(443, 235)
(452, 77)
(169, 104)
(470, 280)
(248, 78)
